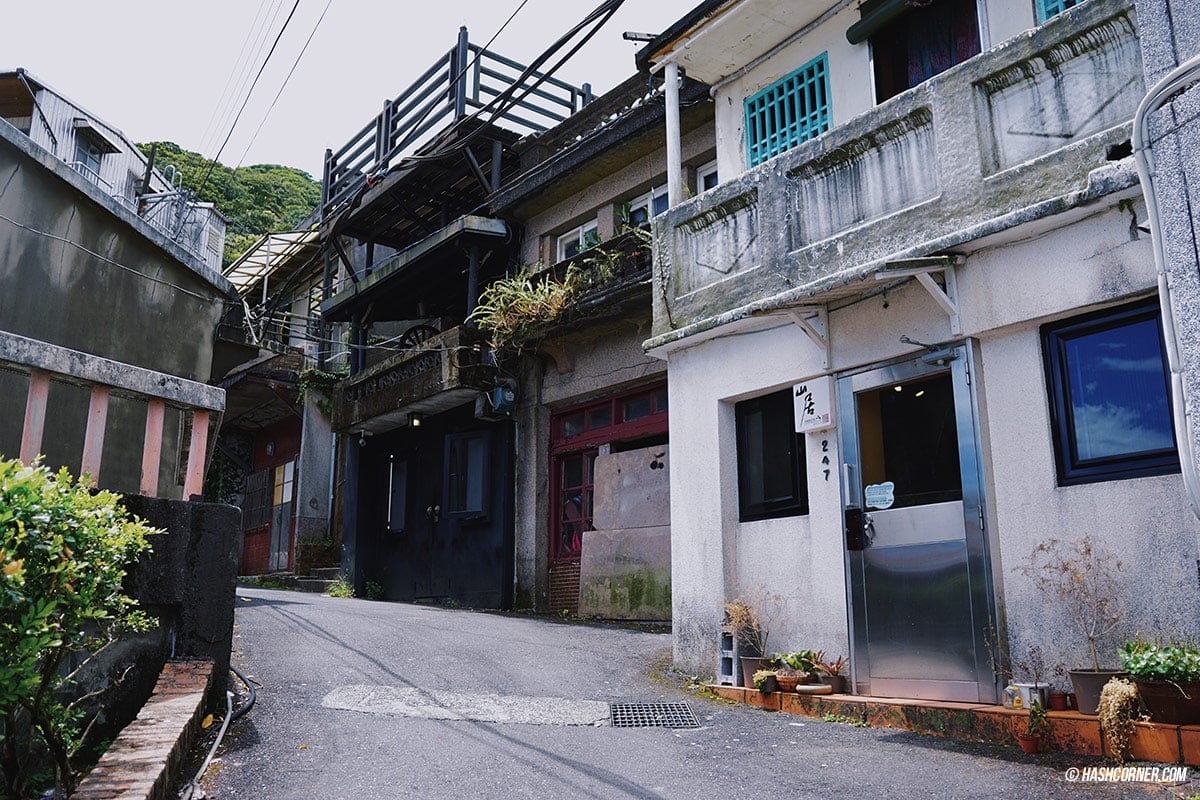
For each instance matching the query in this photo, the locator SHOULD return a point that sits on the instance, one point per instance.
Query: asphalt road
(362, 700)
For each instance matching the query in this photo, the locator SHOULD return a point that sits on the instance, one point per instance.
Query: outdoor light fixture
(918, 394)
(415, 418)
(898, 388)
(362, 438)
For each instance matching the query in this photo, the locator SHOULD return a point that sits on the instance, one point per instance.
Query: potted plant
(795, 668)
(1082, 576)
(1060, 700)
(1037, 728)
(766, 681)
(751, 634)
(1167, 679)
(831, 673)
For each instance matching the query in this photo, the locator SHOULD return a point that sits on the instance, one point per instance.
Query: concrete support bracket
(814, 321)
(944, 294)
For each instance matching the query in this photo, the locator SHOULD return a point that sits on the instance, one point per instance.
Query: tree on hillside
(256, 199)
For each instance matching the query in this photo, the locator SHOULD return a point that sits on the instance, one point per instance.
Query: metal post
(674, 151)
(197, 452)
(152, 447)
(35, 415)
(459, 74)
(327, 175)
(93, 438)
(497, 151)
(472, 280)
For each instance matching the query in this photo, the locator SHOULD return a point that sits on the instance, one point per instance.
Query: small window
(922, 42)
(88, 153)
(788, 112)
(706, 176)
(466, 474)
(573, 242)
(772, 473)
(646, 207)
(1110, 403)
(1050, 8)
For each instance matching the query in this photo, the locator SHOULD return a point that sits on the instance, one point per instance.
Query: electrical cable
(226, 90)
(283, 86)
(246, 101)
(241, 710)
(189, 791)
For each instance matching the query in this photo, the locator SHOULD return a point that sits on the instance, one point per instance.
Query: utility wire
(226, 91)
(285, 82)
(246, 100)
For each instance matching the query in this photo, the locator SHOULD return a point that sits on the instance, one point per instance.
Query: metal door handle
(434, 513)
(868, 529)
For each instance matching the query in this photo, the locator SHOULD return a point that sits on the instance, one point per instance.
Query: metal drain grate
(652, 715)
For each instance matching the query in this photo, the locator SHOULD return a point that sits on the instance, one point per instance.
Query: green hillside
(256, 199)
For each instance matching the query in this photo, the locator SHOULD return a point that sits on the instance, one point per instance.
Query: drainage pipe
(1159, 95)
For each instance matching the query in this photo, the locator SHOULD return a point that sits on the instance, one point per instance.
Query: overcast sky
(160, 70)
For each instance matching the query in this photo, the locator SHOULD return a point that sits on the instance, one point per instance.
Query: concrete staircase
(318, 580)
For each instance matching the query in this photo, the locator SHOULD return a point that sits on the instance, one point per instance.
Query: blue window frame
(788, 112)
(1049, 8)
(1110, 400)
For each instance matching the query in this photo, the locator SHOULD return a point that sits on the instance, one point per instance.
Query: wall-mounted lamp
(270, 448)
(362, 438)
(415, 418)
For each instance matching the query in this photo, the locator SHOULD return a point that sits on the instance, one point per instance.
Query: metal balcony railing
(465, 80)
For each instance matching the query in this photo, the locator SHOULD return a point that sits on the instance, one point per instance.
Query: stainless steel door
(918, 575)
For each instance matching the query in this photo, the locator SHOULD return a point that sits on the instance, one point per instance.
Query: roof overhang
(720, 37)
(269, 256)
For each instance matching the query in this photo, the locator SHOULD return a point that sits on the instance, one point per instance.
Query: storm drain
(652, 715)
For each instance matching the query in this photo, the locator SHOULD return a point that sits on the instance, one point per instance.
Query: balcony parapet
(1011, 136)
(441, 372)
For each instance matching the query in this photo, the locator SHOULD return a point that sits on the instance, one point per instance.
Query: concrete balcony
(1014, 135)
(442, 372)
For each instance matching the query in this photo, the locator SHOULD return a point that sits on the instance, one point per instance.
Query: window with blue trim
(1049, 8)
(788, 112)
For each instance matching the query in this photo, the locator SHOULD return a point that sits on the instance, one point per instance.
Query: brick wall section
(144, 761)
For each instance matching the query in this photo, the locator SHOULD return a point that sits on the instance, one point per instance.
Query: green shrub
(63, 552)
(342, 588)
(1178, 663)
(373, 590)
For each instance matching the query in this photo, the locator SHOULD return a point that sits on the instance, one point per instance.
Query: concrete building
(914, 333)
(101, 257)
(592, 496)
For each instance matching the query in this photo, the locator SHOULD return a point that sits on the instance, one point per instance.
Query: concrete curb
(143, 762)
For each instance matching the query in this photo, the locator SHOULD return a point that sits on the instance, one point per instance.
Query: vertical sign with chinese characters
(814, 404)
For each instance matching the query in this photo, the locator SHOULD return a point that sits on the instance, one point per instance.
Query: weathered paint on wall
(625, 569)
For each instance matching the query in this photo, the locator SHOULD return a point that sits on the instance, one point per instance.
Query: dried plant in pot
(1081, 577)
(751, 634)
(1118, 708)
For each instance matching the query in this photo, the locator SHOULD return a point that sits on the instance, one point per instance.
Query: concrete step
(316, 585)
(326, 573)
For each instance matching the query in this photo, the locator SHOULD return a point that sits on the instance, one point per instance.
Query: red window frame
(579, 431)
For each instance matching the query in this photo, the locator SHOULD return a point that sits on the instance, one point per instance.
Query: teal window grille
(1049, 8)
(790, 111)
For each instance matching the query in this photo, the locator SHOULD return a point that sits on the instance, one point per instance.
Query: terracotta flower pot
(1059, 701)
(1030, 744)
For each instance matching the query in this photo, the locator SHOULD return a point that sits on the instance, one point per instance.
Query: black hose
(240, 710)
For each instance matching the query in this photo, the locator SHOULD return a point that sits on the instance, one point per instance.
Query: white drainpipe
(1158, 96)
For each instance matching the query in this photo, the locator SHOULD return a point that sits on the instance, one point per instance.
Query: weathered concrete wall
(313, 475)
(188, 582)
(1170, 34)
(625, 568)
(115, 288)
(928, 171)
